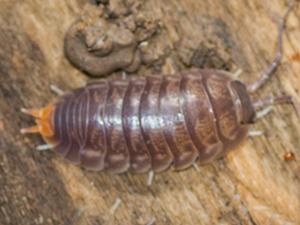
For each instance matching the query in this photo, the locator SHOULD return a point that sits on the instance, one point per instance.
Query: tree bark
(251, 185)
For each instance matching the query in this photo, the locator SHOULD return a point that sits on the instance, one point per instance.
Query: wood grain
(251, 185)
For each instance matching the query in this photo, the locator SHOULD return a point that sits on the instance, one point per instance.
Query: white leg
(124, 75)
(81, 81)
(151, 222)
(150, 177)
(196, 167)
(56, 90)
(115, 206)
(44, 147)
(263, 112)
(254, 133)
(237, 73)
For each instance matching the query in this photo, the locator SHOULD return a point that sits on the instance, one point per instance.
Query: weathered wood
(251, 185)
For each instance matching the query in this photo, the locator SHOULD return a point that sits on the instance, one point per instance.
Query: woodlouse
(148, 123)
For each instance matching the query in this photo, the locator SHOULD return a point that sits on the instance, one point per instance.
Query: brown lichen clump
(98, 46)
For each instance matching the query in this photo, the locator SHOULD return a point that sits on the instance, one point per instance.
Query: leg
(150, 178)
(196, 167)
(115, 206)
(255, 133)
(151, 222)
(124, 75)
(237, 73)
(264, 112)
(83, 83)
(272, 101)
(56, 90)
(260, 114)
(44, 147)
(256, 85)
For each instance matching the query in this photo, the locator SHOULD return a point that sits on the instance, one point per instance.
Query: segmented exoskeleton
(147, 123)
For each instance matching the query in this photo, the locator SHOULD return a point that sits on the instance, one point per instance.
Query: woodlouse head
(246, 111)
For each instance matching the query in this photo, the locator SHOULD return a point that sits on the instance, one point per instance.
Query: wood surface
(251, 185)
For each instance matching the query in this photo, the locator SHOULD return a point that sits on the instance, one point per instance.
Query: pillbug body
(150, 122)
(147, 123)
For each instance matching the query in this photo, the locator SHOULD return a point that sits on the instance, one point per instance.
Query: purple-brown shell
(148, 123)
